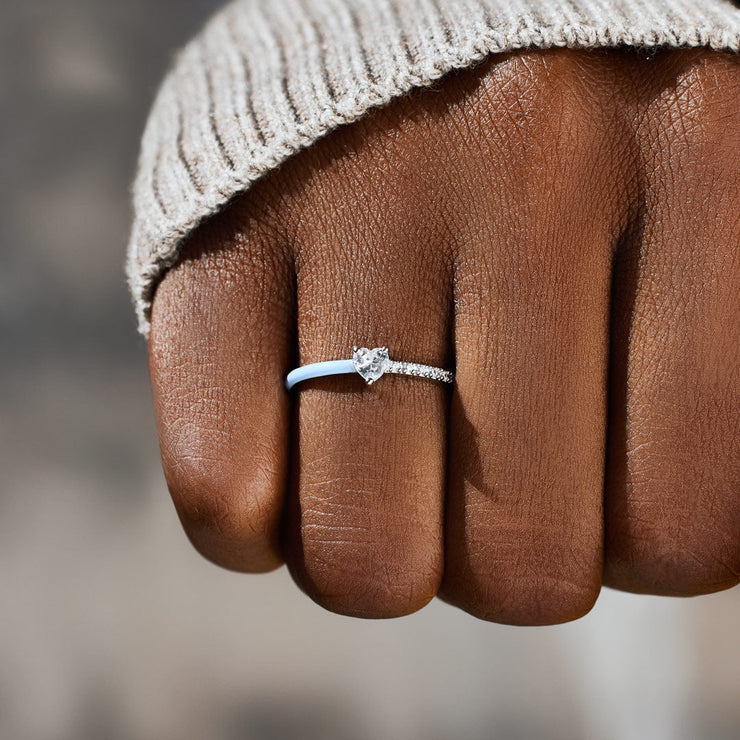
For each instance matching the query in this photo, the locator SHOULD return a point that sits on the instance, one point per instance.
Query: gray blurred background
(111, 626)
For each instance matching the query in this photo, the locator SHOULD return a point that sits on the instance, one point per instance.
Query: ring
(371, 364)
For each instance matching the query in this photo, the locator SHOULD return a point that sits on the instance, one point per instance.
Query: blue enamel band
(318, 370)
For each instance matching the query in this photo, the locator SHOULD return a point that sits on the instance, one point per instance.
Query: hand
(563, 228)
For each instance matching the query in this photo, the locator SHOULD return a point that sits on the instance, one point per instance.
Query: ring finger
(364, 532)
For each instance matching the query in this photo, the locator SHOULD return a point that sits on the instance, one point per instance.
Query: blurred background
(111, 626)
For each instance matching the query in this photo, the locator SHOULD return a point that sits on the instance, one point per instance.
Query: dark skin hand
(562, 228)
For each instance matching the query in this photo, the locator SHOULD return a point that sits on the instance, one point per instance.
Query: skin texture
(563, 228)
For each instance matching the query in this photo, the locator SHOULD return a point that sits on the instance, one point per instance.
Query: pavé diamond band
(371, 364)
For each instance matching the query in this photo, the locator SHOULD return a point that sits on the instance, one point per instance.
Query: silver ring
(370, 364)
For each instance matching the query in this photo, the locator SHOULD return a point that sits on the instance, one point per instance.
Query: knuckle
(351, 575)
(711, 81)
(226, 515)
(668, 556)
(548, 111)
(675, 526)
(534, 91)
(694, 119)
(542, 587)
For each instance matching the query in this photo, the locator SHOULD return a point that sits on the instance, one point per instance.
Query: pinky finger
(221, 338)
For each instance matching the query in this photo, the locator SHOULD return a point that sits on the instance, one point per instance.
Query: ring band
(370, 364)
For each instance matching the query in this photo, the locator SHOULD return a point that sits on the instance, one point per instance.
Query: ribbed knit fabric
(266, 78)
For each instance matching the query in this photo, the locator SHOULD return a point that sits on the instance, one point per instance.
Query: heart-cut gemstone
(370, 363)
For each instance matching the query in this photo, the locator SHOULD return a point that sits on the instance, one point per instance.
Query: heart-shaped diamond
(370, 363)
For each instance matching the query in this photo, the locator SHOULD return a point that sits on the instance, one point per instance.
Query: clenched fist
(560, 227)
